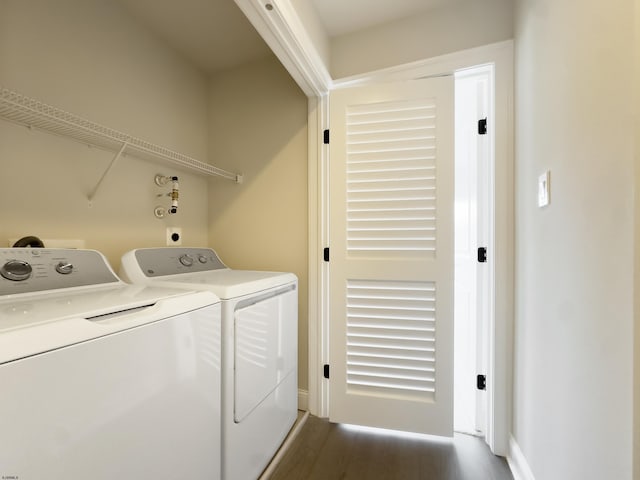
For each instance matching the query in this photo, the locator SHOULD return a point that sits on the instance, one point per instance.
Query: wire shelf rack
(32, 113)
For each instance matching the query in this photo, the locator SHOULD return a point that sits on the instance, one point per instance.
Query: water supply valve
(161, 181)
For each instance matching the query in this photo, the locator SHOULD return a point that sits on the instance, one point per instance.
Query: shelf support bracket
(92, 195)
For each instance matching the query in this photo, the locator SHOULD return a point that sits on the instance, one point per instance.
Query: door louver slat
(391, 333)
(391, 169)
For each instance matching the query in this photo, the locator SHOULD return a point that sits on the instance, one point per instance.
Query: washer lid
(228, 284)
(31, 324)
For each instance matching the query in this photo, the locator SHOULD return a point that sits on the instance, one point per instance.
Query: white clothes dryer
(259, 347)
(100, 379)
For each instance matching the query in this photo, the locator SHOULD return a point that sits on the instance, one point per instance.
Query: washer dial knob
(64, 268)
(16, 270)
(202, 259)
(186, 260)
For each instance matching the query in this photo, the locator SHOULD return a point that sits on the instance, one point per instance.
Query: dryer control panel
(159, 262)
(25, 270)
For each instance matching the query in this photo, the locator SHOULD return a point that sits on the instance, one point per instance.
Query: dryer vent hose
(30, 241)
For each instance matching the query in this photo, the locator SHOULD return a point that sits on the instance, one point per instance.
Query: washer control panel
(158, 262)
(24, 270)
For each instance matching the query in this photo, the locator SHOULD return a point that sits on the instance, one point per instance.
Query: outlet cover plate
(171, 231)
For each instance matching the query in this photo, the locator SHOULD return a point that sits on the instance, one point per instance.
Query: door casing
(472, 185)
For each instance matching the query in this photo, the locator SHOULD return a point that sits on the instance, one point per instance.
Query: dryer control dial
(16, 270)
(65, 268)
(202, 259)
(186, 260)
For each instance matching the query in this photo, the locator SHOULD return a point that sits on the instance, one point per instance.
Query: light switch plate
(543, 189)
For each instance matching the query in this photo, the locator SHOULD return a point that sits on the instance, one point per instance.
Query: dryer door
(266, 347)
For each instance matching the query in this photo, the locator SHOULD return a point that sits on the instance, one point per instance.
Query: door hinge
(481, 382)
(482, 126)
(326, 254)
(482, 254)
(326, 370)
(326, 137)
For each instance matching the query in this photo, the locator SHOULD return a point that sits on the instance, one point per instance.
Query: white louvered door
(391, 269)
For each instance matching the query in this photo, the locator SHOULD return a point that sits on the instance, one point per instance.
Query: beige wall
(574, 270)
(453, 27)
(258, 121)
(89, 58)
(636, 369)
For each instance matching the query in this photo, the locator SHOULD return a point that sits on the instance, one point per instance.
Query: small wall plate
(174, 236)
(543, 189)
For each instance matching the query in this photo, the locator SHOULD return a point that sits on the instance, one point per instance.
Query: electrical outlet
(174, 236)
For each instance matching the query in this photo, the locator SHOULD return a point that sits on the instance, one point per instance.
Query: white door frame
(284, 32)
(471, 335)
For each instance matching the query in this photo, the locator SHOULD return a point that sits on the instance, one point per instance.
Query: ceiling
(215, 35)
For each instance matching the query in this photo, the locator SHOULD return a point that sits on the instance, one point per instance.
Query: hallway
(326, 451)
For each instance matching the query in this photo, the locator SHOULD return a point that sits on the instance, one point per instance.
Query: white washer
(259, 347)
(100, 379)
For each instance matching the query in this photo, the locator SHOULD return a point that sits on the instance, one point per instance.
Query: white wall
(574, 270)
(453, 27)
(90, 58)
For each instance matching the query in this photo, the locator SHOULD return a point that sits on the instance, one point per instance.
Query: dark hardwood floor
(326, 451)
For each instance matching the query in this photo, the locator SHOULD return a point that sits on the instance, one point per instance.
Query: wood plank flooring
(327, 451)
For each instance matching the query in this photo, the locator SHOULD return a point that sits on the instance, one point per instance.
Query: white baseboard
(303, 400)
(517, 462)
(284, 448)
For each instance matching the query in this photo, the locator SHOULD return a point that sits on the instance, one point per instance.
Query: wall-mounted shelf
(32, 113)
